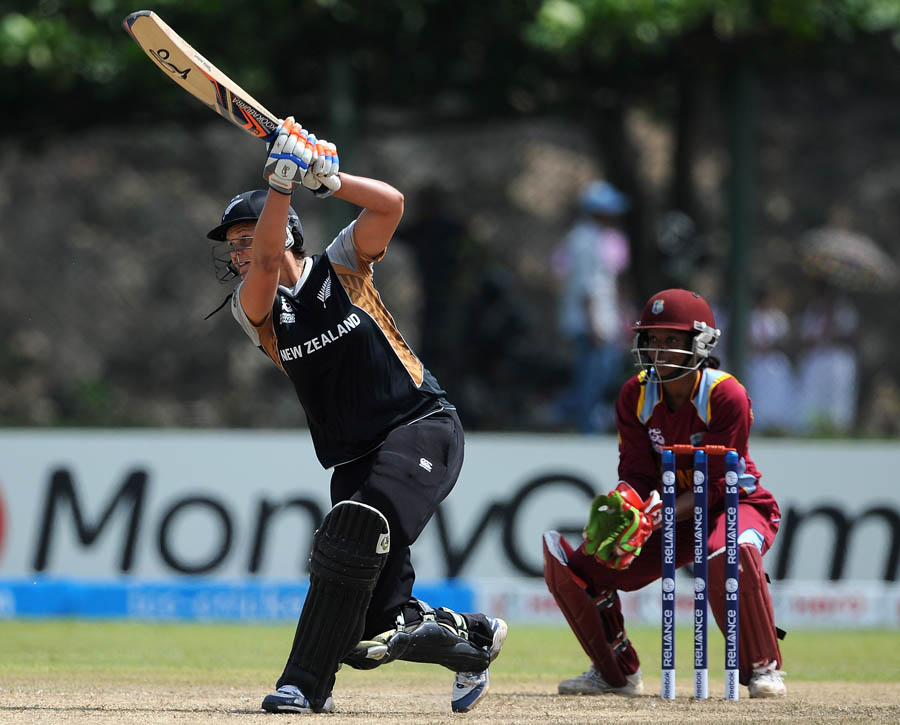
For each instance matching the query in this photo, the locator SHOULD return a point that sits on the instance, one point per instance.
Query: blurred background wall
(757, 145)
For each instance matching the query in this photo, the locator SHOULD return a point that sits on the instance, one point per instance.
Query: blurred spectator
(828, 366)
(770, 374)
(590, 260)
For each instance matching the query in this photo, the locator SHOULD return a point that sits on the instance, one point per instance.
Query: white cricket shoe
(766, 681)
(470, 687)
(289, 698)
(592, 683)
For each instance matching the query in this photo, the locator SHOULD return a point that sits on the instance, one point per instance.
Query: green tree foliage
(629, 46)
(70, 61)
(610, 26)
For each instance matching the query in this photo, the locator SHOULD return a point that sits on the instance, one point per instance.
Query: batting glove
(289, 157)
(323, 179)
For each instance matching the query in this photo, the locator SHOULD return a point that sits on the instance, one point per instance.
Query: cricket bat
(198, 76)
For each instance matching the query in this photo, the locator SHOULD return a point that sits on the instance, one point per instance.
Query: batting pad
(441, 636)
(423, 634)
(349, 550)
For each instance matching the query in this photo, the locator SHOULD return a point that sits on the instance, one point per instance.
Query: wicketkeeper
(679, 397)
(375, 414)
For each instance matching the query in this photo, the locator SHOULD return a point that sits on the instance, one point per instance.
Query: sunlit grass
(230, 654)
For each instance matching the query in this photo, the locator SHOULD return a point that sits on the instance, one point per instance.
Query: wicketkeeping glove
(651, 508)
(323, 179)
(290, 155)
(618, 526)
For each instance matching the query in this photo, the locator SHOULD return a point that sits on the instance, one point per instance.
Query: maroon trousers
(758, 641)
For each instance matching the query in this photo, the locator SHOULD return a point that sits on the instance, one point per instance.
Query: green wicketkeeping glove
(610, 524)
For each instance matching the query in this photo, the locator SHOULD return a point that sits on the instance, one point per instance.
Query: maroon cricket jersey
(717, 413)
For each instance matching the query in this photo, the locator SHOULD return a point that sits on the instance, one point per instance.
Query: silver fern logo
(325, 291)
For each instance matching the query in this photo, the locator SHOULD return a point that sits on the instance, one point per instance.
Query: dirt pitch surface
(822, 702)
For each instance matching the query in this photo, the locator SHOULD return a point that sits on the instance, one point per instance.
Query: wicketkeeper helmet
(675, 309)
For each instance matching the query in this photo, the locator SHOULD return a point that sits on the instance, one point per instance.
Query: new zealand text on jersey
(319, 341)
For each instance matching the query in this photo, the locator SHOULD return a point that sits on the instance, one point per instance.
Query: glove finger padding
(327, 163)
(631, 541)
(310, 180)
(618, 527)
(325, 169)
(322, 178)
(289, 156)
(610, 522)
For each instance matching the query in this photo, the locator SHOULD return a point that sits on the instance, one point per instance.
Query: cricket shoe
(766, 681)
(289, 698)
(592, 683)
(470, 687)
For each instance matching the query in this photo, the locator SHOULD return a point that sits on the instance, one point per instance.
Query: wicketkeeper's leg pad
(597, 622)
(757, 634)
(349, 550)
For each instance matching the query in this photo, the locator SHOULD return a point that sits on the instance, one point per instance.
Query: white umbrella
(848, 260)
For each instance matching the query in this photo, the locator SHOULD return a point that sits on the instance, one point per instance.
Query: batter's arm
(258, 291)
(382, 210)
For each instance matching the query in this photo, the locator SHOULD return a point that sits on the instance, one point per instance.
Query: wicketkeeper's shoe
(470, 687)
(766, 681)
(592, 683)
(289, 698)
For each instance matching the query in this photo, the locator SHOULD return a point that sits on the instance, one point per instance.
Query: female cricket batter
(679, 397)
(375, 414)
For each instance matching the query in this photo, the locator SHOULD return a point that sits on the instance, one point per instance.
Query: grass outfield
(231, 654)
(154, 672)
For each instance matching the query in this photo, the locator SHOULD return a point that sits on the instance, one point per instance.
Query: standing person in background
(770, 374)
(590, 260)
(828, 368)
(375, 414)
(679, 397)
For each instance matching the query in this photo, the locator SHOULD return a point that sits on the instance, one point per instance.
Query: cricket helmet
(675, 309)
(247, 207)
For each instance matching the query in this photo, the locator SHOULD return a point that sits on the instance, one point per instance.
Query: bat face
(197, 75)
